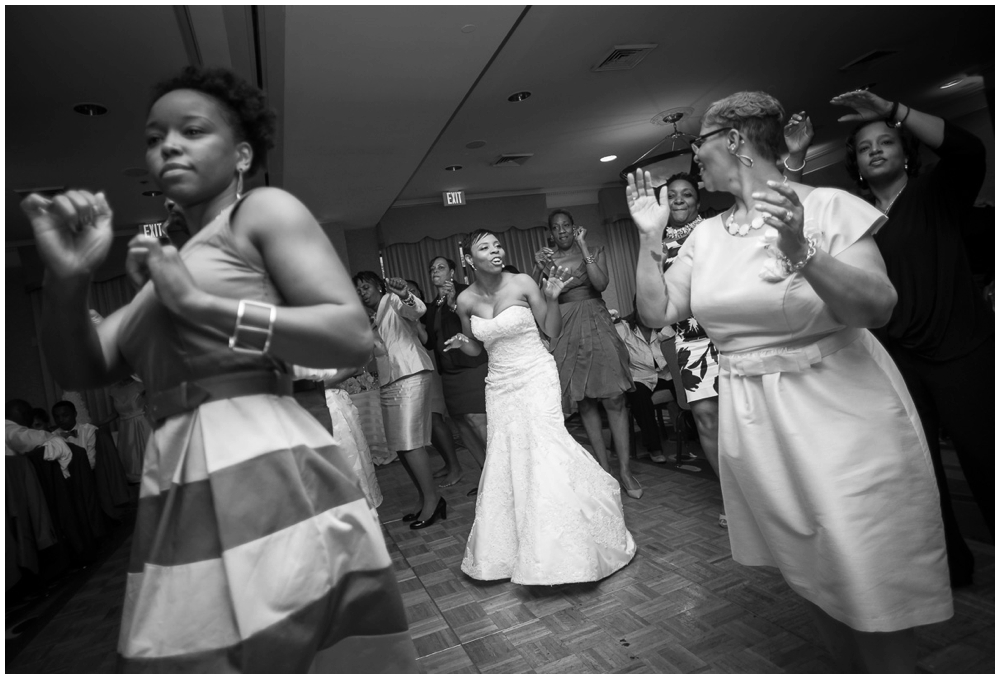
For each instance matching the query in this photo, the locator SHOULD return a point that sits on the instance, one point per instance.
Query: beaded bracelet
(590, 259)
(259, 322)
(890, 119)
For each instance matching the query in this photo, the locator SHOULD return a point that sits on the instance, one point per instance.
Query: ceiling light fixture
(453, 168)
(476, 144)
(608, 159)
(952, 83)
(663, 165)
(152, 194)
(90, 109)
(519, 96)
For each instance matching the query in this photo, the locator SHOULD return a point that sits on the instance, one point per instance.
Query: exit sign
(453, 198)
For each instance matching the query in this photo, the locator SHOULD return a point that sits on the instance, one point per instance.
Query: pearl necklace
(735, 229)
(670, 234)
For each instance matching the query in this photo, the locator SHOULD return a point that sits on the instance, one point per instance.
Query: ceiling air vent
(623, 57)
(512, 159)
(867, 59)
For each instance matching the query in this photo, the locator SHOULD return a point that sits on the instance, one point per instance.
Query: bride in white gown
(546, 513)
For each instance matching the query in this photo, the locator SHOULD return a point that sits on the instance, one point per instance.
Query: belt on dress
(299, 386)
(187, 396)
(786, 359)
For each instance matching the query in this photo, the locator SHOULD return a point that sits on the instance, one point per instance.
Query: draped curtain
(412, 260)
(622, 254)
(105, 297)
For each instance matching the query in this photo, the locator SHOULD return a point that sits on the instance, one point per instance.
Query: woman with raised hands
(825, 471)
(254, 548)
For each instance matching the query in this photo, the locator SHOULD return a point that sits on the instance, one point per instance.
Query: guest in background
(941, 332)
(19, 438)
(649, 373)
(697, 357)
(463, 377)
(244, 512)
(40, 419)
(404, 373)
(82, 434)
(825, 471)
(441, 436)
(128, 397)
(593, 361)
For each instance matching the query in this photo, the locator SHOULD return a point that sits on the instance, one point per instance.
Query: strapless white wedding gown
(546, 513)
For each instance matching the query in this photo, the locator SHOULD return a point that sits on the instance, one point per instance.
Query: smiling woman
(222, 579)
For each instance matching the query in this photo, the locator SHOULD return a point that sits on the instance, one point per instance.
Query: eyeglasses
(697, 142)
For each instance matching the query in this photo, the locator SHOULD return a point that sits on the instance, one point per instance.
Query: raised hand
(449, 292)
(648, 214)
(580, 236)
(559, 276)
(456, 342)
(72, 230)
(798, 133)
(397, 286)
(163, 265)
(782, 210)
(543, 258)
(868, 106)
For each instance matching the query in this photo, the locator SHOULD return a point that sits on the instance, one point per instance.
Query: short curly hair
(244, 105)
(911, 149)
(757, 115)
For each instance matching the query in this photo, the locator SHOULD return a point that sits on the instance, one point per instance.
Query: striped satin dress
(254, 550)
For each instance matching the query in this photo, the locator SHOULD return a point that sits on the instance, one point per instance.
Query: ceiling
(374, 102)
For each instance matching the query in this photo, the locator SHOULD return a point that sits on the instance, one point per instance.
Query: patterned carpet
(682, 605)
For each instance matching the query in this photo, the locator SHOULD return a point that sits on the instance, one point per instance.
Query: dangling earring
(745, 160)
(239, 183)
(906, 166)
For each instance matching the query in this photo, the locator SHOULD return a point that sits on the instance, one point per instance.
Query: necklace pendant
(744, 229)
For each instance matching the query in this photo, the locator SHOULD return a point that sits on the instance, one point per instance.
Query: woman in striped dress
(254, 548)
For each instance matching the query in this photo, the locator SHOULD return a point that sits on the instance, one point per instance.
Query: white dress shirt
(646, 359)
(19, 439)
(86, 438)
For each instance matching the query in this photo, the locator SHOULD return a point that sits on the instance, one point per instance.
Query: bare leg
(472, 427)
(444, 443)
(618, 420)
(591, 418)
(409, 472)
(706, 419)
(838, 639)
(420, 471)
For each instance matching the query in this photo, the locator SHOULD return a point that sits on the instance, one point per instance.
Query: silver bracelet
(591, 259)
(794, 169)
(255, 325)
(795, 267)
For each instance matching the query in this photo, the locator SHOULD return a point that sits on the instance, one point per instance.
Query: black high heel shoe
(410, 517)
(442, 509)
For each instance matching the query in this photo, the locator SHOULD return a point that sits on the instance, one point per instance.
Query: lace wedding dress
(547, 513)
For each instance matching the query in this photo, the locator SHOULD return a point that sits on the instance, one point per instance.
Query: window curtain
(622, 254)
(412, 260)
(105, 297)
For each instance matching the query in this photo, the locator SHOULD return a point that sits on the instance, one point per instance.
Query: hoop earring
(745, 160)
(239, 183)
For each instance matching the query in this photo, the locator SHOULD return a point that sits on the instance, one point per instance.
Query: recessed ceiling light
(952, 83)
(477, 144)
(608, 159)
(453, 168)
(519, 96)
(152, 194)
(90, 109)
